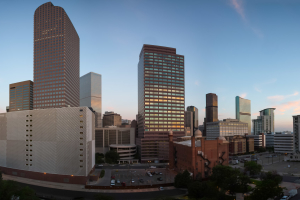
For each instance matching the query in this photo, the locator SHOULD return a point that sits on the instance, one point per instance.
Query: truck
(235, 162)
(112, 182)
(293, 193)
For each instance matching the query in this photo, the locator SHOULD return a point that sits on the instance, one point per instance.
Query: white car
(152, 167)
(285, 198)
(161, 188)
(132, 181)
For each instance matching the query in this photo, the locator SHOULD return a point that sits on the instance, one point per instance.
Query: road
(142, 166)
(68, 195)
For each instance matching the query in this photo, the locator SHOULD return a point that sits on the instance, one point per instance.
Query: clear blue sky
(231, 47)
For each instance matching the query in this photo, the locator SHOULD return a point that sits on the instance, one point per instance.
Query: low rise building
(196, 154)
(55, 144)
(113, 136)
(225, 128)
(283, 143)
(125, 151)
(112, 119)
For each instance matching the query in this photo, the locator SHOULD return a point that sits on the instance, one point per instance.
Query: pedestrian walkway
(74, 187)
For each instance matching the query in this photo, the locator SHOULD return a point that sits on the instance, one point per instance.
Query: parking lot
(135, 177)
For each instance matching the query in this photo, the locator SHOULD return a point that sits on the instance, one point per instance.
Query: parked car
(123, 184)
(100, 165)
(268, 156)
(149, 174)
(112, 182)
(141, 180)
(132, 180)
(161, 188)
(160, 179)
(160, 173)
(285, 198)
(156, 173)
(118, 181)
(113, 177)
(152, 167)
(293, 192)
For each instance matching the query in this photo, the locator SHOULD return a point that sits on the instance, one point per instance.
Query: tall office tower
(211, 107)
(56, 59)
(91, 94)
(21, 96)
(243, 111)
(195, 115)
(161, 101)
(265, 122)
(112, 119)
(296, 130)
(188, 123)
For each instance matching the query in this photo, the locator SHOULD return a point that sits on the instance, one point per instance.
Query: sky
(231, 48)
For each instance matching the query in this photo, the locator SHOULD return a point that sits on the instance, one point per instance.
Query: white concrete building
(225, 128)
(55, 144)
(283, 143)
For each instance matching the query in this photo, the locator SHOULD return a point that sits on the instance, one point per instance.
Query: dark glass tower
(20, 96)
(160, 101)
(56, 59)
(211, 107)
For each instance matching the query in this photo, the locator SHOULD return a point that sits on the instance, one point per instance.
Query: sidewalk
(74, 187)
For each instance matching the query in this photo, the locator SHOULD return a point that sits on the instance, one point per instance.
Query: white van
(112, 182)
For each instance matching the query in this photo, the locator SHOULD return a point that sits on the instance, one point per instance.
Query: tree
(27, 193)
(99, 158)
(182, 180)
(265, 190)
(199, 190)
(252, 167)
(271, 176)
(103, 197)
(230, 179)
(112, 157)
(261, 149)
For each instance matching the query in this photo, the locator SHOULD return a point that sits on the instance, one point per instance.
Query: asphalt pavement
(58, 194)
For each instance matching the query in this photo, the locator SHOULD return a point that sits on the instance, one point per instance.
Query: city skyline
(251, 49)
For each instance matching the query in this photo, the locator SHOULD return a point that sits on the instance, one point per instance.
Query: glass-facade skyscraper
(264, 122)
(21, 96)
(56, 59)
(195, 115)
(91, 94)
(160, 101)
(243, 111)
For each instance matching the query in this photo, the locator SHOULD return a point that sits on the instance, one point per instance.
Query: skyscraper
(211, 107)
(243, 111)
(21, 96)
(195, 115)
(91, 94)
(161, 100)
(56, 59)
(296, 132)
(265, 122)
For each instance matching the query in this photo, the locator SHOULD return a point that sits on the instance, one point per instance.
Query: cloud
(243, 95)
(258, 86)
(197, 83)
(257, 113)
(110, 108)
(237, 4)
(282, 97)
(291, 105)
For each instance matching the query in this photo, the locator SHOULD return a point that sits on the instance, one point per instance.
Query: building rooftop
(189, 143)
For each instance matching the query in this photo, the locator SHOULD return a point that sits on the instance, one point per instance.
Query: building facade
(55, 145)
(211, 107)
(296, 131)
(160, 100)
(194, 110)
(21, 96)
(91, 94)
(56, 59)
(126, 152)
(265, 122)
(283, 143)
(188, 123)
(225, 128)
(112, 119)
(243, 111)
(197, 155)
(113, 136)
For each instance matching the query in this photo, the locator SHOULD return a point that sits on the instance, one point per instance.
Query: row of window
(49, 97)
(163, 129)
(165, 55)
(51, 104)
(165, 86)
(160, 122)
(162, 100)
(170, 111)
(163, 118)
(169, 78)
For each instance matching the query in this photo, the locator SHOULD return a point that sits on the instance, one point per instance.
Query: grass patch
(102, 173)
(255, 182)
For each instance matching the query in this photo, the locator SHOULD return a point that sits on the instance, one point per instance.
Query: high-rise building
(21, 96)
(112, 119)
(91, 94)
(161, 100)
(56, 59)
(243, 111)
(283, 143)
(188, 123)
(211, 107)
(296, 131)
(194, 110)
(265, 122)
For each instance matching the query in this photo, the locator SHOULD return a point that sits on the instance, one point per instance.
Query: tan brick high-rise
(56, 59)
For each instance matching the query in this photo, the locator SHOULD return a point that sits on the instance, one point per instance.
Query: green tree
(199, 190)
(111, 157)
(99, 158)
(252, 167)
(182, 180)
(265, 190)
(230, 179)
(27, 193)
(103, 197)
(261, 149)
(271, 176)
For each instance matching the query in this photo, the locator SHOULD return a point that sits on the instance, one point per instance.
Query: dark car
(160, 179)
(141, 180)
(113, 177)
(156, 173)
